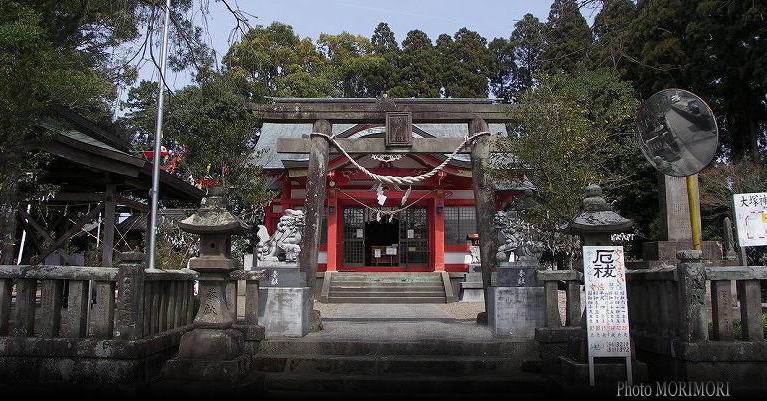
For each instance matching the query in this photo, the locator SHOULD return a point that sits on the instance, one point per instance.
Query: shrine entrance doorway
(397, 244)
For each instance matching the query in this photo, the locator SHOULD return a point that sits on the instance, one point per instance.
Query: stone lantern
(596, 221)
(213, 351)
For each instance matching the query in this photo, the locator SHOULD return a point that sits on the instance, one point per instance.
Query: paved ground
(396, 322)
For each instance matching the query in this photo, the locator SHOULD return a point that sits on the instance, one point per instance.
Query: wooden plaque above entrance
(399, 129)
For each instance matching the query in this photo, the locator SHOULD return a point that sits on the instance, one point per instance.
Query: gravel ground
(463, 310)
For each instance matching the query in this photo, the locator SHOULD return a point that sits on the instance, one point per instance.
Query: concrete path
(399, 322)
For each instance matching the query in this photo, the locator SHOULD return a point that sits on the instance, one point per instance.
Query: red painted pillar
(333, 222)
(439, 232)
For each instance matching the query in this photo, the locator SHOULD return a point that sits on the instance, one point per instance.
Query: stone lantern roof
(596, 216)
(212, 217)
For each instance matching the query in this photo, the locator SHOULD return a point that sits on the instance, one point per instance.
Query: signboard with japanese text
(751, 218)
(607, 321)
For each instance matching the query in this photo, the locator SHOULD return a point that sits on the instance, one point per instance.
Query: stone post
(484, 204)
(213, 351)
(692, 296)
(130, 301)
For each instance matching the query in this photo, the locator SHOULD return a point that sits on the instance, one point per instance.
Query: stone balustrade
(573, 280)
(683, 319)
(249, 322)
(554, 338)
(654, 303)
(168, 302)
(132, 324)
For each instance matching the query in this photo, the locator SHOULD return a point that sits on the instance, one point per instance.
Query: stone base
(284, 312)
(471, 288)
(604, 372)
(251, 332)
(666, 250)
(200, 370)
(472, 295)
(515, 311)
(553, 343)
(209, 355)
(85, 361)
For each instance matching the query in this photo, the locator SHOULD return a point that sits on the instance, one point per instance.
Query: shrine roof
(265, 152)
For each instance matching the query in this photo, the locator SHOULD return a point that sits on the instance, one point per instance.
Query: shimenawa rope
(389, 179)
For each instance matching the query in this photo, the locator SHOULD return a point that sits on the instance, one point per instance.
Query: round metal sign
(677, 132)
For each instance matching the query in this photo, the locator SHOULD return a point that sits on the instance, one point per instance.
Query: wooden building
(97, 178)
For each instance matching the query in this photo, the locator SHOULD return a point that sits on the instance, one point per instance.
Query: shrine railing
(53, 301)
(573, 280)
(671, 306)
(247, 321)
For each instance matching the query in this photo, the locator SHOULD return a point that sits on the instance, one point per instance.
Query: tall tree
(356, 68)
(527, 40)
(465, 61)
(568, 38)
(385, 45)
(418, 68)
(503, 70)
(612, 35)
(715, 48)
(274, 61)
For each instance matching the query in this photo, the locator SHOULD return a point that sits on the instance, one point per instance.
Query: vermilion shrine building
(429, 235)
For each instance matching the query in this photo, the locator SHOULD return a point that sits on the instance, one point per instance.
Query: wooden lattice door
(414, 237)
(354, 236)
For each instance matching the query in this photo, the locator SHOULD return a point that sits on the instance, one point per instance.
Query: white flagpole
(157, 141)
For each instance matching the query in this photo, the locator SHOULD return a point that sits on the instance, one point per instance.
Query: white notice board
(751, 218)
(607, 321)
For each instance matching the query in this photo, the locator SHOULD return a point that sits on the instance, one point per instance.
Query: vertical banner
(751, 218)
(607, 322)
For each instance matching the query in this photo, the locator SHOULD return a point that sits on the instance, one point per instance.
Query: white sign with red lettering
(751, 218)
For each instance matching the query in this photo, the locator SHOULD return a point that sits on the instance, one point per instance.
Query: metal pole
(23, 239)
(692, 197)
(157, 141)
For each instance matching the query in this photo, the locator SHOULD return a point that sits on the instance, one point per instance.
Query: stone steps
(436, 366)
(435, 347)
(387, 300)
(389, 364)
(518, 384)
(375, 292)
(382, 288)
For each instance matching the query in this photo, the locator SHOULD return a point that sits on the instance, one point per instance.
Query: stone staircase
(433, 367)
(387, 288)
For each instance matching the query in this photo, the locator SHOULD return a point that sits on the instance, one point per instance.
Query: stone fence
(554, 338)
(133, 324)
(689, 315)
(686, 320)
(50, 332)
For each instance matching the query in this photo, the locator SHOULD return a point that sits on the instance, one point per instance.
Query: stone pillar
(316, 186)
(213, 351)
(676, 232)
(692, 296)
(484, 202)
(675, 208)
(130, 296)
